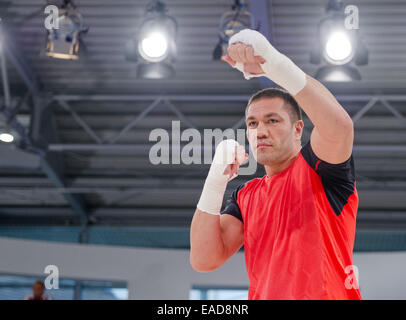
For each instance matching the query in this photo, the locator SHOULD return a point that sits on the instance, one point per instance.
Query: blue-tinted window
(218, 294)
(20, 288)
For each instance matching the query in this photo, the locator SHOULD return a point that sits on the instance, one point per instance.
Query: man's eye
(273, 120)
(251, 124)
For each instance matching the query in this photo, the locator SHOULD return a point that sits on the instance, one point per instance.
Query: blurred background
(84, 83)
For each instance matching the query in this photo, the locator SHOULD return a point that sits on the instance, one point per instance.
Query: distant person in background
(38, 290)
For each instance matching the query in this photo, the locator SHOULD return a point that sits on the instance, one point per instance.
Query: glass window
(104, 290)
(218, 294)
(20, 288)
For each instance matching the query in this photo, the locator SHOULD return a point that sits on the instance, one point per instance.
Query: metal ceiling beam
(62, 212)
(179, 114)
(4, 76)
(394, 111)
(74, 200)
(64, 104)
(18, 60)
(104, 182)
(120, 97)
(371, 101)
(383, 187)
(143, 149)
(136, 120)
(217, 98)
(167, 212)
(364, 97)
(376, 219)
(42, 133)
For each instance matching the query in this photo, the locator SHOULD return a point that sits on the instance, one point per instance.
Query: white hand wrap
(277, 67)
(216, 181)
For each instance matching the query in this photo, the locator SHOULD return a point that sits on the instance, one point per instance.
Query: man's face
(270, 131)
(37, 290)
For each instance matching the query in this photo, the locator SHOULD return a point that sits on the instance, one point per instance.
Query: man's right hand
(244, 54)
(227, 159)
(239, 158)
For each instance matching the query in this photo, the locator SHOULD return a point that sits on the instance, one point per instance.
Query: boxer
(297, 223)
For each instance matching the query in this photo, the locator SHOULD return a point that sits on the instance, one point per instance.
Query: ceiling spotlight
(64, 41)
(232, 22)
(337, 47)
(154, 45)
(6, 137)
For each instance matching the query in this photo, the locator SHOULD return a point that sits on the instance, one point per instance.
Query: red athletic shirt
(299, 229)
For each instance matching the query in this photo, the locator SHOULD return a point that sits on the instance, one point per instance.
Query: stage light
(231, 22)
(153, 47)
(65, 42)
(337, 48)
(6, 137)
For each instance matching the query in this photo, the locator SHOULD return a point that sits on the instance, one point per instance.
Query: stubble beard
(268, 157)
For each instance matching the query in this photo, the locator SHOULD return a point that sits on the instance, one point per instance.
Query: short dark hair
(293, 108)
(40, 283)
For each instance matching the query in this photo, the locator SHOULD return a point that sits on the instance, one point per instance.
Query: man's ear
(299, 125)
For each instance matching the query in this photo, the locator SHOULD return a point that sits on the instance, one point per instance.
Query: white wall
(382, 275)
(150, 273)
(166, 274)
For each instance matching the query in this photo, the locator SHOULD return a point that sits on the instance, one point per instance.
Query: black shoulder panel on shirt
(338, 180)
(232, 206)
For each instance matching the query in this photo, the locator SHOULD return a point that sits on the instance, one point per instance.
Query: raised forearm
(333, 135)
(207, 250)
(328, 116)
(324, 111)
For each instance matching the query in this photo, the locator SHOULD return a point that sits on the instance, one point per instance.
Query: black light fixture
(231, 22)
(65, 41)
(337, 48)
(154, 45)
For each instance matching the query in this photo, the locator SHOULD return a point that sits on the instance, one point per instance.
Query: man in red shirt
(297, 223)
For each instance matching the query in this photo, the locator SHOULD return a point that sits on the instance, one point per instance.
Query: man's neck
(278, 167)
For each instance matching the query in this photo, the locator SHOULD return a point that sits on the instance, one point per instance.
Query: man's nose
(262, 131)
